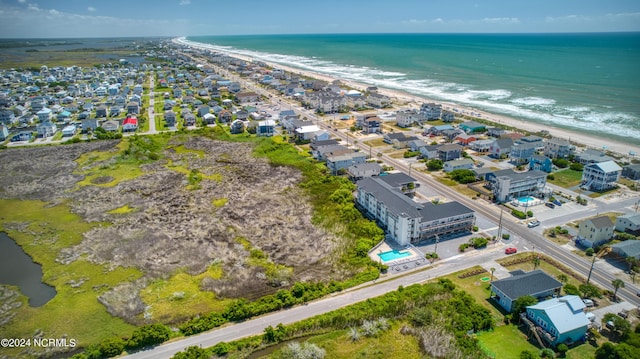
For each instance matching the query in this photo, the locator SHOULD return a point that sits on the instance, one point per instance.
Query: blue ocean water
(583, 82)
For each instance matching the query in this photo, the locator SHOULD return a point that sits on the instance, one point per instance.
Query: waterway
(17, 268)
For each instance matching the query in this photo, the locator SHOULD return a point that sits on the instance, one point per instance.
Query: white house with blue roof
(562, 320)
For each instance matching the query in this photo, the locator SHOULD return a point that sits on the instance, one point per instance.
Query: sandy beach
(414, 101)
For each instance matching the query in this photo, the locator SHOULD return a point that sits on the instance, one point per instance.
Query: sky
(133, 18)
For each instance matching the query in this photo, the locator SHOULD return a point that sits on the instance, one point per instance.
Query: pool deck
(387, 246)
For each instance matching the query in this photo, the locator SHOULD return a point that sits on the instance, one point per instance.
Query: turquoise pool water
(393, 255)
(525, 200)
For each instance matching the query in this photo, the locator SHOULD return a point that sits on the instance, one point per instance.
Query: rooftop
(566, 313)
(529, 283)
(600, 222)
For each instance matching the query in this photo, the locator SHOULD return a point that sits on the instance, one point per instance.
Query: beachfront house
(592, 156)
(557, 148)
(508, 184)
(430, 111)
(472, 127)
(631, 172)
(562, 320)
(600, 176)
(406, 118)
(536, 283)
(594, 232)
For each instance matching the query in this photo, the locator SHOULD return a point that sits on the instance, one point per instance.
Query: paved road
(152, 117)
(256, 326)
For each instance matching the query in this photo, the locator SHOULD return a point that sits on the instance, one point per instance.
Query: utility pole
(500, 224)
(593, 262)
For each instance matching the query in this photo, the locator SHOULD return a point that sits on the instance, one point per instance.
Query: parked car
(511, 250)
(550, 205)
(557, 203)
(533, 223)
(588, 303)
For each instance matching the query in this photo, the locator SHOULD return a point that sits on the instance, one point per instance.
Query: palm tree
(536, 262)
(563, 278)
(492, 270)
(617, 284)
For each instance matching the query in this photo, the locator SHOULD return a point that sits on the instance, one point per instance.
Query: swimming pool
(526, 200)
(393, 255)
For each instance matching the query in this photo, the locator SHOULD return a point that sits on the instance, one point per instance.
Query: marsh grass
(43, 231)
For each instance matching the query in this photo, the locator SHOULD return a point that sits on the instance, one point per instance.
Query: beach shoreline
(581, 139)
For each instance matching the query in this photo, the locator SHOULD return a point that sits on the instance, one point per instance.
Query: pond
(17, 268)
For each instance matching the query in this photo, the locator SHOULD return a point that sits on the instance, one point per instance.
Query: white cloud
(91, 9)
(185, 2)
(501, 20)
(33, 7)
(54, 12)
(22, 1)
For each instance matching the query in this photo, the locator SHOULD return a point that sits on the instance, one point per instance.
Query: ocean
(587, 83)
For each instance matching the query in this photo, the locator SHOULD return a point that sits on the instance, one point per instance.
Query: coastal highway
(256, 326)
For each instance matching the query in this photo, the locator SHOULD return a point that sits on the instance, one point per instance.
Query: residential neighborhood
(443, 184)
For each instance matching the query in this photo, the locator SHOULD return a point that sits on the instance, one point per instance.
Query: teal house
(560, 320)
(472, 127)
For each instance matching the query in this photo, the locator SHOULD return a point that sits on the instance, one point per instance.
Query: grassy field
(478, 289)
(180, 297)
(390, 344)
(74, 311)
(378, 142)
(107, 169)
(506, 341)
(83, 58)
(566, 178)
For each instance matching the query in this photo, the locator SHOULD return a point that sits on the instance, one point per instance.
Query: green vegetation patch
(122, 210)
(566, 178)
(43, 231)
(506, 341)
(220, 202)
(180, 296)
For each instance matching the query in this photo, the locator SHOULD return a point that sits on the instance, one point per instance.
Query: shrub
(576, 166)
(506, 236)
(589, 252)
(518, 214)
(562, 349)
(478, 242)
(529, 214)
(551, 177)
(475, 228)
(463, 247)
(434, 165)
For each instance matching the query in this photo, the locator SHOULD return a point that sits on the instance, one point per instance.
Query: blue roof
(566, 313)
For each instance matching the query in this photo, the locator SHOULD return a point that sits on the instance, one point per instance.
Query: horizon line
(328, 33)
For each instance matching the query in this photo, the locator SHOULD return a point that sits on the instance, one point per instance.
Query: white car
(532, 224)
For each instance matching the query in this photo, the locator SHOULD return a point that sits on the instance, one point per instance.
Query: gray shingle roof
(601, 222)
(530, 283)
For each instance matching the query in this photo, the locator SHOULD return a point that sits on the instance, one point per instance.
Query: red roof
(130, 121)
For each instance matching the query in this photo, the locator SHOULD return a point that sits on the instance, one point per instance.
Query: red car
(510, 250)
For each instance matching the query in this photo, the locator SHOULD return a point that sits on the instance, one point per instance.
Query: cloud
(501, 20)
(36, 22)
(22, 1)
(185, 2)
(91, 9)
